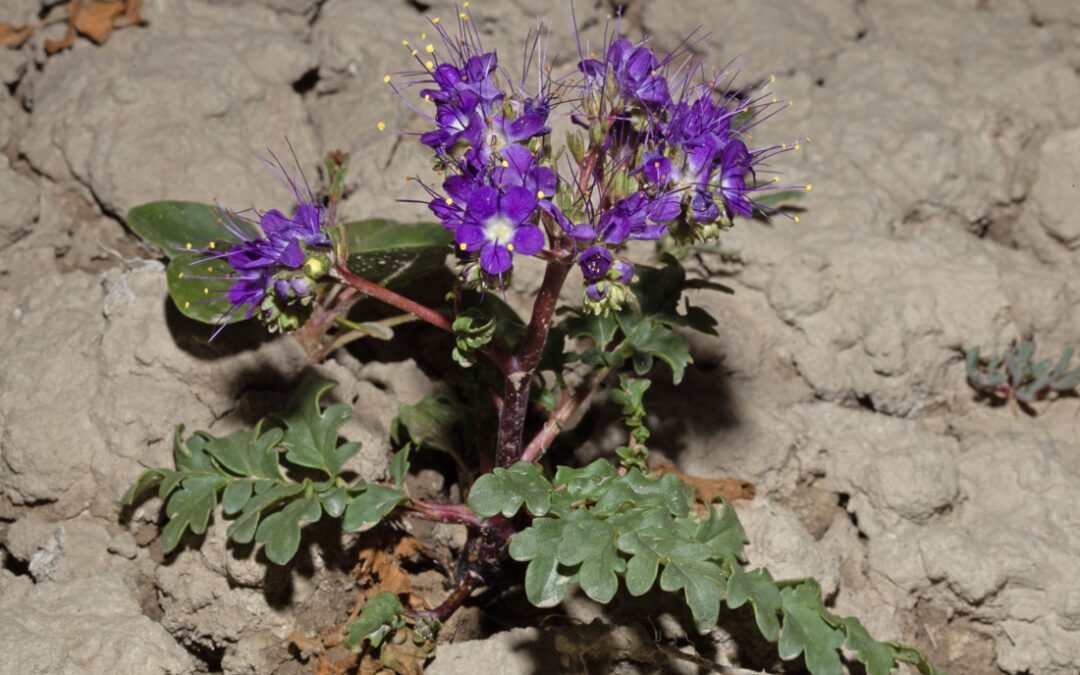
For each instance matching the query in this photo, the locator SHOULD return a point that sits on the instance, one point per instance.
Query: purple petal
(657, 167)
(495, 258)
(274, 223)
(472, 236)
(483, 204)
(582, 232)
(664, 208)
(293, 255)
(517, 204)
(459, 188)
(528, 240)
(595, 262)
(525, 127)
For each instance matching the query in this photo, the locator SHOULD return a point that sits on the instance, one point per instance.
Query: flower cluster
(275, 260)
(661, 148)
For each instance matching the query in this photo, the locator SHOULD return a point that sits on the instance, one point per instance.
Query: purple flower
(496, 224)
(595, 262)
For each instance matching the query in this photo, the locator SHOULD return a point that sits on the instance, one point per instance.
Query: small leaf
(585, 483)
(311, 435)
(379, 616)
(430, 423)
(504, 490)
(399, 465)
(236, 495)
(242, 530)
(393, 254)
(190, 508)
(370, 506)
(280, 531)
(702, 581)
(668, 493)
(805, 630)
(146, 480)
(334, 501)
(590, 542)
(876, 656)
(759, 588)
(545, 580)
(650, 338)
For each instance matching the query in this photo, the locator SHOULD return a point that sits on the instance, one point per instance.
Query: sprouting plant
(1015, 376)
(661, 147)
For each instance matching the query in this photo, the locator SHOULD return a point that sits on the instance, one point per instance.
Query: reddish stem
(523, 366)
(443, 513)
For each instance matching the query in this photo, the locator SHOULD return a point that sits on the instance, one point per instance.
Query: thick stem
(568, 405)
(455, 599)
(523, 366)
(443, 513)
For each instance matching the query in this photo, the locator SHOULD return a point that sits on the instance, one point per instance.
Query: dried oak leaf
(709, 488)
(13, 36)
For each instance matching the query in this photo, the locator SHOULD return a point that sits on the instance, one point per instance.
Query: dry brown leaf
(96, 19)
(13, 36)
(709, 488)
(380, 565)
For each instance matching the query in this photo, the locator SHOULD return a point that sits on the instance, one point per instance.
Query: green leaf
(190, 508)
(649, 338)
(633, 488)
(702, 581)
(247, 453)
(204, 300)
(590, 542)
(146, 480)
(430, 423)
(236, 495)
(173, 225)
(600, 329)
(392, 253)
(648, 539)
(399, 465)
(280, 531)
(876, 656)
(759, 588)
(545, 580)
(311, 434)
(370, 506)
(242, 530)
(724, 535)
(334, 501)
(380, 615)
(805, 630)
(504, 490)
(585, 483)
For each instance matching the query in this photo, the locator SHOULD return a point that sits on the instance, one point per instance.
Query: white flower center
(499, 229)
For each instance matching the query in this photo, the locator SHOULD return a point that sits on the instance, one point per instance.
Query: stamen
(463, 246)
(510, 247)
(381, 126)
(386, 79)
(809, 188)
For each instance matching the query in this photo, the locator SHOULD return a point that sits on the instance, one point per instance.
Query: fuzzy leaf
(430, 423)
(190, 508)
(759, 588)
(379, 616)
(504, 490)
(545, 580)
(370, 506)
(668, 493)
(280, 531)
(590, 542)
(311, 434)
(392, 253)
(805, 630)
(585, 483)
(876, 656)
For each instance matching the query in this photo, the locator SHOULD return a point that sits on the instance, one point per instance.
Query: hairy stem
(443, 513)
(523, 366)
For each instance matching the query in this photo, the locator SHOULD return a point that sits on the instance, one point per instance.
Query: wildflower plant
(661, 147)
(1015, 377)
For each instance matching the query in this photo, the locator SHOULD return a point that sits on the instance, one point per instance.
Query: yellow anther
(188, 247)
(796, 219)
(427, 97)
(386, 78)
(510, 247)
(381, 126)
(809, 188)
(414, 52)
(314, 267)
(808, 139)
(405, 42)
(429, 65)
(449, 201)
(463, 246)
(505, 164)
(463, 16)
(209, 269)
(774, 99)
(776, 179)
(435, 20)
(772, 78)
(540, 194)
(790, 103)
(181, 276)
(187, 304)
(783, 146)
(206, 291)
(423, 36)
(212, 245)
(465, 5)
(797, 147)
(430, 49)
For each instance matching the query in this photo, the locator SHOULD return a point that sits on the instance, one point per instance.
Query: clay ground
(945, 159)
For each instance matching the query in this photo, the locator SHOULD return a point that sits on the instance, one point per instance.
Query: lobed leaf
(589, 543)
(311, 434)
(280, 531)
(545, 580)
(805, 630)
(370, 507)
(504, 490)
(380, 615)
